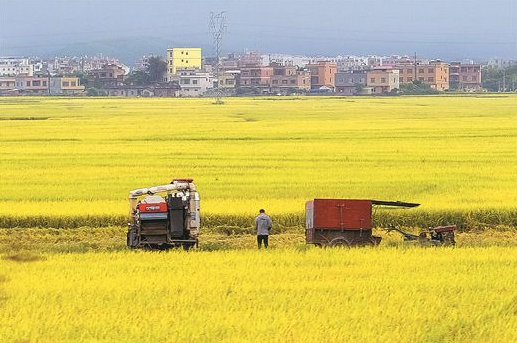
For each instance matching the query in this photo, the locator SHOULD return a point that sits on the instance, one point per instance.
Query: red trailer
(343, 222)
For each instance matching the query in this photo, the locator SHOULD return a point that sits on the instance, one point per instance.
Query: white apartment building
(13, 66)
(193, 82)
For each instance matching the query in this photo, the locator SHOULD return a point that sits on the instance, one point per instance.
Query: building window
(372, 79)
(44, 83)
(35, 83)
(293, 82)
(284, 82)
(194, 82)
(73, 84)
(474, 78)
(401, 79)
(275, 82)
(65, 83)
(420, 70)
(28, 83)
(464, 78)
(430, 79)
(409, 71)
(430, 70)
(421, 79)
(383, 80)
(401, 71)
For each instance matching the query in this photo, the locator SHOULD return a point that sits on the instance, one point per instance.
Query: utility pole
(504, 80)
(217, 29)
(414, 67)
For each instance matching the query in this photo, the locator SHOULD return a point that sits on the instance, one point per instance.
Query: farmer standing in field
(263, 224)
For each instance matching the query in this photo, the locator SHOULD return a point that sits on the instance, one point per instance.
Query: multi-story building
(250, 58)
(501, 64)
(322, 74)
(352, 63)
(182, 58)
(65, 86)
(382, 80)
(193, 82)
(289, 79)
(228, 79)
(256, 77)
(435, 74)
(7, 83)
(350, 82)
(13, 66)
(34, 85)
(143, 63)
(465, 76)
(108, 75)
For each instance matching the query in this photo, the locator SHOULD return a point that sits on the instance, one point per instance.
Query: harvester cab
(164, 216)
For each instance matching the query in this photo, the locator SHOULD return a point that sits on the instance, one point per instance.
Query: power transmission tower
(217, 29)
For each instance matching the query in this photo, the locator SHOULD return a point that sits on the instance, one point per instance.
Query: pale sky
(448, 29)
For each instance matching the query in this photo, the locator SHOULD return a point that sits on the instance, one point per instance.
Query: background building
(382, 80)
(13, 66)
(289, 79)
(193, 82)
(465, 77)
(256, 77)
(435, 74)
(182, 58)
(350, 82)
(65, 86)
(322, 74)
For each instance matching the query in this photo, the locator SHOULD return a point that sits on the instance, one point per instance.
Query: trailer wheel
(339, 242)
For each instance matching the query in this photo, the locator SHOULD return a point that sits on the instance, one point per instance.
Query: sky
(447, 29)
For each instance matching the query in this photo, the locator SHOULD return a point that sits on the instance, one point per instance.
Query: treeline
(500, 80)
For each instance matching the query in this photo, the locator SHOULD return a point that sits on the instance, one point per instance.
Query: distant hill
(127, 49)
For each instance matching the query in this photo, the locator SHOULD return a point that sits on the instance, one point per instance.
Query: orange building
(322, 74)
(435, 74)
(382, 80)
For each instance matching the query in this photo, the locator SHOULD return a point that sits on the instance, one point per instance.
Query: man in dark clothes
(263, 224)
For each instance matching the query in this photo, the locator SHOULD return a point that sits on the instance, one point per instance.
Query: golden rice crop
(75, 166)
(315, 295)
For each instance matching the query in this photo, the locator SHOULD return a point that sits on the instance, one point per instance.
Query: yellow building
(182, 58)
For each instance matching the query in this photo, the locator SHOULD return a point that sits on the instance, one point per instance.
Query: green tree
(416, 88)
(156, 69)
(493, 79)
(138, 78)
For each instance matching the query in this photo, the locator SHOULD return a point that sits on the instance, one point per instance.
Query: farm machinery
(164, 216)
(348, 222)
(440, 235)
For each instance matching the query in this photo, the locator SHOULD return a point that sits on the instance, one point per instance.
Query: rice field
(282, 295)
(69, 162)
(67, 165)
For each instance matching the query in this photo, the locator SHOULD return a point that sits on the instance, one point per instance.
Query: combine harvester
(164, 216)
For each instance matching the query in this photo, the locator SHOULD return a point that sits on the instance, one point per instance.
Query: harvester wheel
(339, 242)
